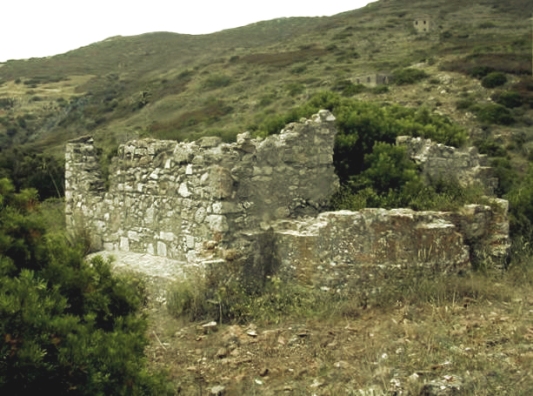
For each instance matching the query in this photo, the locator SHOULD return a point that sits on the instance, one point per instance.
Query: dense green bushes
(66, 326)
(490, 113)
(408, 76)
(373, 171)
(493, 80)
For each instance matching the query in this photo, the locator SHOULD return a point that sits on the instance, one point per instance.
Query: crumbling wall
(180, 200)
(438, 161)
(337, 247)
(261, 203)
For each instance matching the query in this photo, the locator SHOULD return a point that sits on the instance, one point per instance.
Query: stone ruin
(264, 200)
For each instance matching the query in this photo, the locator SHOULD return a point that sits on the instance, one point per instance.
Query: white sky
(37, 28)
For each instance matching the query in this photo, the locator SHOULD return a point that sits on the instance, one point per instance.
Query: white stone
(161, 249)
(167, 236)
(108, 246)
(184, 190)
(188, 170)
(190, 241)
(124, 244)
(200, 214)
(150, 249)
(133, 235)
(217, 223)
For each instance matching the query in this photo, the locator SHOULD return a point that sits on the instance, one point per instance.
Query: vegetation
(259, 78)
(408, 76)
(493, 80)
(67, 326)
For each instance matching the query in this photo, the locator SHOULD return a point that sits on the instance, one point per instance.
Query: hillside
(468, 79)
(176, 86)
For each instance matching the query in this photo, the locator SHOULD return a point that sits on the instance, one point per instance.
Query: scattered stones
(218, 390)
(447, 386)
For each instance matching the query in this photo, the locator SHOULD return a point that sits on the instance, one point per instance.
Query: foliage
(380, 89)
(408, 76)
(228, 301)
(490, 113)
(217, 81)
(493, 80)
(521, 206)
(490, 147)
(31, 169)
(509, 99)
(480, 65)
(66, 326)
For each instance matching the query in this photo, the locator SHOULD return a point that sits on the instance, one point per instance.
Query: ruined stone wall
(438, 161)
(336, 248)
(262, 201)
(179, 200)
(372, 80)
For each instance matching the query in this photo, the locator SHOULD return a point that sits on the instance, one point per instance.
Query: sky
(38, 28)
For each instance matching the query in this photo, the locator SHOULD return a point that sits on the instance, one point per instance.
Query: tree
(67, 327)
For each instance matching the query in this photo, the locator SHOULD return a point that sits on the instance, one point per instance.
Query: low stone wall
(438, 161)
(335, 248)
(179, 200)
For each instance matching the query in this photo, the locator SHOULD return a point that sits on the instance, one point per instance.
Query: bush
(490, 113)
(66, 326)
(490, 147)
(380, 89)
(493, 80)
(408, 76)
(480, 71)
(464, 104)
(217, 81)
(509, 99)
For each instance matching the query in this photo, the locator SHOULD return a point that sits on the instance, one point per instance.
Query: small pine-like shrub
(509, 99)
(493, 80)
(490, 113)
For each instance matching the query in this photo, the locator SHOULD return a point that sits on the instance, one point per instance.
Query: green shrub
(7, 103)
(408, 76)
(295, 88)
(217, 81)
(493, 80)
(490, 147)
(347, 88)
(298, 69)
(509, 99)
(490, 113)
(464, 104)
(380, 89)
(66, 326)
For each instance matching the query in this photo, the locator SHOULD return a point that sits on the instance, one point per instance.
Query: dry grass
(476, 327)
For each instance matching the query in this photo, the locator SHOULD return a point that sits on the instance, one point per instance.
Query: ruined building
(195, 202)
(422, 24)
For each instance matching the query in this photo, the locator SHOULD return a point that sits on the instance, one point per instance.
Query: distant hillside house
(371, 80)
(422, 24)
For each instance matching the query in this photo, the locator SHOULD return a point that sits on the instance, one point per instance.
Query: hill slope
(177, 86)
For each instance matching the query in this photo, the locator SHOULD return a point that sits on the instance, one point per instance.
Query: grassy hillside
(175, 86)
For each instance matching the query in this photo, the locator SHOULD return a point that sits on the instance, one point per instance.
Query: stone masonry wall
(337, 247)
(263, 201)
(438, 161)
(179, 200)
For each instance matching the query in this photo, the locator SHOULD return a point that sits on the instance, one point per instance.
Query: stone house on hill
(422, 24)
(372, 80)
